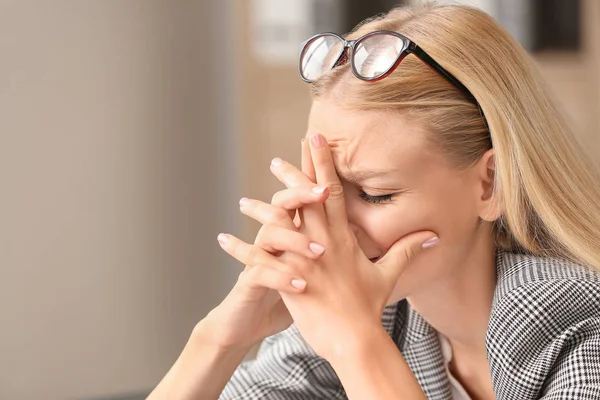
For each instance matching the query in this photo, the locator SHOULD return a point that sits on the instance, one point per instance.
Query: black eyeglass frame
(410, 47)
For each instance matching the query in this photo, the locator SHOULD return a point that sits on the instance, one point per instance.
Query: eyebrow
(360, 176)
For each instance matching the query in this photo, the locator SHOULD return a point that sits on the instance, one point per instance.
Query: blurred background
(129, 129)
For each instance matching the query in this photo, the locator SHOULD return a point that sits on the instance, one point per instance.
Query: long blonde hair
(548, 189)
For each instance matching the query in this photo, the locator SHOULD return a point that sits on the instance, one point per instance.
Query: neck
(459, 306)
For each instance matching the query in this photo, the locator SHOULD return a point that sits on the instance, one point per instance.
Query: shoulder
(528, 284)
(544, 328)
(551, 294)
(538, 296)
(518, 270)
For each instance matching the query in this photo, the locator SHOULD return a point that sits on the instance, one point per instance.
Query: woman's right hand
(253, 309)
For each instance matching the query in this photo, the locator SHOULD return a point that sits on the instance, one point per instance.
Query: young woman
(440, 180)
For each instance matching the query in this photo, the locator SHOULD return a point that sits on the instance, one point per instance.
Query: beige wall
(575, 81)
(113, 181)
(274, 105)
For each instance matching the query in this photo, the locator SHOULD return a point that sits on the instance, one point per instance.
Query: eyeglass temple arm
(426, 58)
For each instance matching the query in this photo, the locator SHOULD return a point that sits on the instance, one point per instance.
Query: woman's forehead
(345, 127)
(368, 140)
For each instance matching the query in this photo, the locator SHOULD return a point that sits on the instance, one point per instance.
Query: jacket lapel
(422, 351)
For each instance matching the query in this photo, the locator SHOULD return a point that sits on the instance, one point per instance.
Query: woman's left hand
(345, 293)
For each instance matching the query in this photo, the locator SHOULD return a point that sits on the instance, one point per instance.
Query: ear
(489, 205)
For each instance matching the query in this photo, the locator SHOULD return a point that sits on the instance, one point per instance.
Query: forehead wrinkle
(349, 131)
(342, 154)
(361, 176)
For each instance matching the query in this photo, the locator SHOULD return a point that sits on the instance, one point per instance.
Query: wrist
(370, 366)
(356, 345)
(206, 335)
(202, 370)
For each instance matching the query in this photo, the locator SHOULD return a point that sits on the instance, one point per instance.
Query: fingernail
(316, 248)
(243, 201)
(298, 283)
(302, 140)
(318, 140)
(276, 162)
(431, 242)
(319, 189)
(222, 238)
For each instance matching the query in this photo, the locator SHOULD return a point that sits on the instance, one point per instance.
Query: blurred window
(359, 10)
(556, 25)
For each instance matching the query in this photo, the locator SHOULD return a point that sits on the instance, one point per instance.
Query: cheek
(446, 210)
(449, 212)
(385, 224)
(455, 211)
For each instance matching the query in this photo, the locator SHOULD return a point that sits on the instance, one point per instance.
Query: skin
(346, 257)
(451, 286)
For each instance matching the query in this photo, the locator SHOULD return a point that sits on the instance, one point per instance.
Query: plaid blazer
(543, 342)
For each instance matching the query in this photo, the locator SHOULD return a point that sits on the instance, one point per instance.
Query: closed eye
(386, 198)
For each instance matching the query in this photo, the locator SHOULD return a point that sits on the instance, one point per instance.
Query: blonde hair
(548, 189)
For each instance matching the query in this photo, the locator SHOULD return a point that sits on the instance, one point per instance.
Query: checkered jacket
(543, 342)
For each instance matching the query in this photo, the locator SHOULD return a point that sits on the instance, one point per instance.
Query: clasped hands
(307, 256)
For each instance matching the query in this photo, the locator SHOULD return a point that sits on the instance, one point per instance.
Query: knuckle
(409, 253)
(245, 275)
(257, 272)
(278, 216)
(262, 235)
(277, 198)
(335, 190)
(241, 276)
(288, 263)
(252, 254)
(265, 235)
(253, 276)
(303, 266)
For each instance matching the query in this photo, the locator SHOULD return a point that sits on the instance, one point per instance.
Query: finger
(294, 198)
(311, 216)
(267, 213)
(284, 204)
(262, 276)
(250, 255)
(403, 252)
(335, 206)
(273, 238)
(307, 166)
(309, 170)
(288, 174)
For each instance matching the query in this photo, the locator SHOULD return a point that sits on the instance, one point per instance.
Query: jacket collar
(420, 344)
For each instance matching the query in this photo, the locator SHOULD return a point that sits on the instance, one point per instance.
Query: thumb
(403, 252)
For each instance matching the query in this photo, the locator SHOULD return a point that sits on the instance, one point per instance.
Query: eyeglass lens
(373, 56)
(376, 54)
(320, 55)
